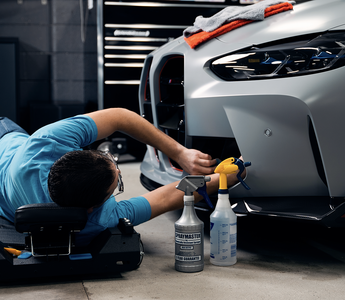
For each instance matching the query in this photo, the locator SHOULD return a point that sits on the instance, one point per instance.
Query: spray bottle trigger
(241, 167)
(202, 191)
(243, 183)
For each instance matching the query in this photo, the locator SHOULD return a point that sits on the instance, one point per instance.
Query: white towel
(254, 12)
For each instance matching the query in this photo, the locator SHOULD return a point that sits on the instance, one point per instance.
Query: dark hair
(81, 179)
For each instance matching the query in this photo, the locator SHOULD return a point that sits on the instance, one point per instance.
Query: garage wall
(56, 68)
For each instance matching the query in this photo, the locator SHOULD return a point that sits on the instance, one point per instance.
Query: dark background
(56, 71)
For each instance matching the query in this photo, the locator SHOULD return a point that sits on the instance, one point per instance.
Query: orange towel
(203, 36)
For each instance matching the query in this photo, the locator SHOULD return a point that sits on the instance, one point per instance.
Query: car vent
(147, 108)
(316, 152)
(170, 109)
(217, 147)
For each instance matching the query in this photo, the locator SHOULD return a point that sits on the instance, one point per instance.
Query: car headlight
(275, 60)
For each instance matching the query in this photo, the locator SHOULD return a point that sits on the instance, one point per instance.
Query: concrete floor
(276, 260)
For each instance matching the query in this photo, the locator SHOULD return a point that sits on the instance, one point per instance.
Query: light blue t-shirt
(25, 162)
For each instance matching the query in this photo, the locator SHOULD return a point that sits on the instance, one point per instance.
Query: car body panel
(289, 128)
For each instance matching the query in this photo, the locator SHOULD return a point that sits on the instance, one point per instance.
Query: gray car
(271, 91)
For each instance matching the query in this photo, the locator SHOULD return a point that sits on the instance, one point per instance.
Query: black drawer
(125, 72)
(157, 13)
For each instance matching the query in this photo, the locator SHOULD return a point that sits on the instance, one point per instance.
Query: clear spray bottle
(223, 223)
(189, 229)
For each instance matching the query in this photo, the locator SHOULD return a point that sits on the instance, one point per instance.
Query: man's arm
(168, 198)
(119, 119)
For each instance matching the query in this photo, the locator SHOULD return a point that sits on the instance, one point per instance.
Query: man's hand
(195, 162)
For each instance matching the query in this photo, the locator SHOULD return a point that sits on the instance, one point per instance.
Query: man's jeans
(7, 126)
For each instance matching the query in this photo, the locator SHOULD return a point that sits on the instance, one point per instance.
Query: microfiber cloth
(232, 17)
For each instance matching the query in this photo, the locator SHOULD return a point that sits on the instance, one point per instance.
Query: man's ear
(90, 210)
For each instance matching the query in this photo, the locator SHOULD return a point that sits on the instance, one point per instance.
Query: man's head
(82, 179)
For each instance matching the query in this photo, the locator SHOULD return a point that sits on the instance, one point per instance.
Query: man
(50, 166)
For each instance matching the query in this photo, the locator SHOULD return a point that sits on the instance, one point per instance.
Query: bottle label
(223, 237)
(189, 247)
(188, 258)
(188, 238)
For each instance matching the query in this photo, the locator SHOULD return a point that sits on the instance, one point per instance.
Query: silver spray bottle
(189, 229)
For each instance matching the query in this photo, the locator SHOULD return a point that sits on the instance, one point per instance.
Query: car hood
(305, 18)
